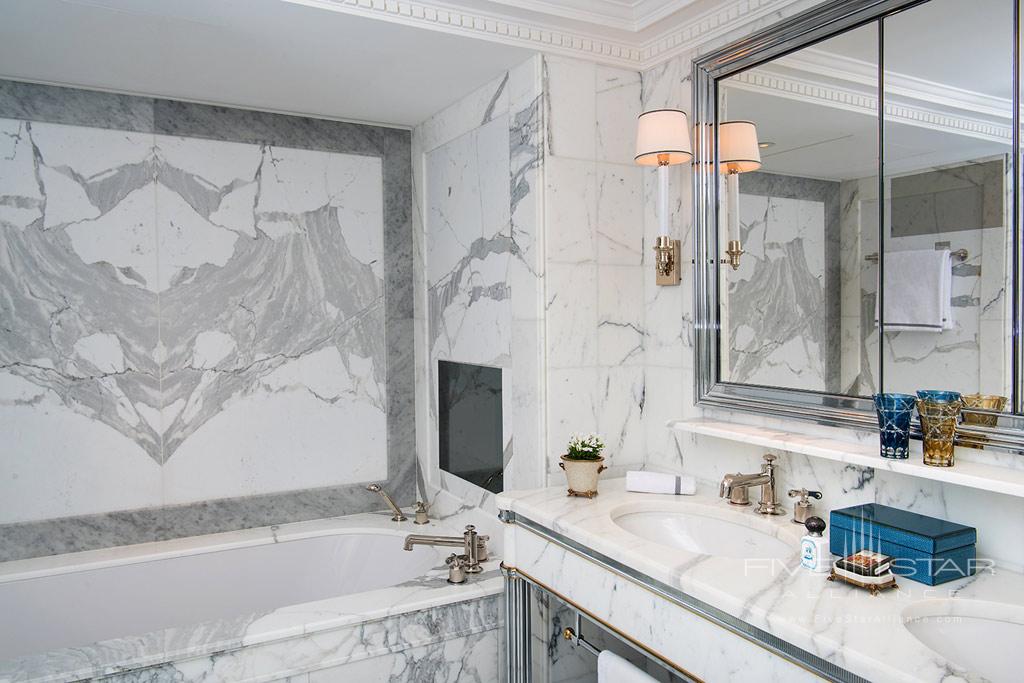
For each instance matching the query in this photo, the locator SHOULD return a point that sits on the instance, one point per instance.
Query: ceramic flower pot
(582, 475)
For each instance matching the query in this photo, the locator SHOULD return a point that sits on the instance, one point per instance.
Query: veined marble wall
(596, 324)
(783, 301)
(206, 318)
(477, 169)
(669, 387)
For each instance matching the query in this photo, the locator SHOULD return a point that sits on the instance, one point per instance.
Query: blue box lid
(909, 529)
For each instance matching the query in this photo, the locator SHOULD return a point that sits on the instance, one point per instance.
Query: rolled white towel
(658, 482)
(612, 668)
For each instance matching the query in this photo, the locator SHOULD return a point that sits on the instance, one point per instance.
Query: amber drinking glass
(938, 427)
(980, 401)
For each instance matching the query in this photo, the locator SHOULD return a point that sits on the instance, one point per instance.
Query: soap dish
(874, 585)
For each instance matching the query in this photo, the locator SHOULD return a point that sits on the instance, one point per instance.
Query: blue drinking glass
(894, 413)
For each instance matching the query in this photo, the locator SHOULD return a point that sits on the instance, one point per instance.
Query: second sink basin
(977, 635)
(705, 530)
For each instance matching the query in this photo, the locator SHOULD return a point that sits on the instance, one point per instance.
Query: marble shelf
(987, 477)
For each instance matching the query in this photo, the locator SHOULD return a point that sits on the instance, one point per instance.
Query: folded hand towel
(918, 289)
(657, 482)
(612, 668)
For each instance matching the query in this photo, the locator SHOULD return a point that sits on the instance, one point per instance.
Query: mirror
(859, 235)
(791, 312)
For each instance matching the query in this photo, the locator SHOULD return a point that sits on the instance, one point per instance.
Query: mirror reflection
(840, 202)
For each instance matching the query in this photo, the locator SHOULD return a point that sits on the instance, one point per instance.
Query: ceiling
(262, 54)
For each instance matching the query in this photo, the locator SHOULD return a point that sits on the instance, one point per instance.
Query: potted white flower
(583, 463)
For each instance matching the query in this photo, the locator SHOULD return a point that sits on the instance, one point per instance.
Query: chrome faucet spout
(398, 516)
(735, 488)
(474, 546)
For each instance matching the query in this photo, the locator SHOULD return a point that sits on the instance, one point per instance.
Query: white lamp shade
(663, 138)
(737, 147)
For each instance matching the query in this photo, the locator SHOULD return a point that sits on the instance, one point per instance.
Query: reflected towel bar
(958, 255)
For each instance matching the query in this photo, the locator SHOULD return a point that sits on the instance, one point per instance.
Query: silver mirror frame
(834, 410)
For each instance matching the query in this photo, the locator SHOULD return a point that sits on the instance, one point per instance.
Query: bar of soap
(659, 482)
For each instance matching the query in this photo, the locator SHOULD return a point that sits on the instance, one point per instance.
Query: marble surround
(850, 628)
(423, 629)
(119, 215)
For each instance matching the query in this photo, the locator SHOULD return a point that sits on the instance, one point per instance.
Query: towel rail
(958, 254)
(575, 636)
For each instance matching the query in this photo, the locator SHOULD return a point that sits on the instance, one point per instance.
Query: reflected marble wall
(783, 301)
(197, 307)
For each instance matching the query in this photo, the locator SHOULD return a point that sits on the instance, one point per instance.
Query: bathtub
(178, 606)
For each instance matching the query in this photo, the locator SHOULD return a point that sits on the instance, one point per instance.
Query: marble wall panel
(214, 305)
(479, 264)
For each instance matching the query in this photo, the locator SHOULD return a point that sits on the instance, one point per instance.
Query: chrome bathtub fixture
(456, 568)
(735, 488)
(474, 546)
(398, 516)
(421, 513)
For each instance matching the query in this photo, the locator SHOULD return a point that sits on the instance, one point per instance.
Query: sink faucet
(735, 487)
(398, 516)
(474, 546)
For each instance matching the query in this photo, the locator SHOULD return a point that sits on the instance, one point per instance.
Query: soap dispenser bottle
(814, 553)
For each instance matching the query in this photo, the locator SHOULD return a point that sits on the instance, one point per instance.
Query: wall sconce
(663, 140)
(738, 152)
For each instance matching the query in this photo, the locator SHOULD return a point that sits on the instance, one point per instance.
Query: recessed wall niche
(470, 423)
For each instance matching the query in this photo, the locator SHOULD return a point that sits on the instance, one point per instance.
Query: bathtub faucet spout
(398, 516)
(474, 546)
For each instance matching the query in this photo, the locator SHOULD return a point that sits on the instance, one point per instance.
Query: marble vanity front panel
(691, 642)
(211, 304)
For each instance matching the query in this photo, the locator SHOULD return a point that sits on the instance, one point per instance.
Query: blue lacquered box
(924, 549)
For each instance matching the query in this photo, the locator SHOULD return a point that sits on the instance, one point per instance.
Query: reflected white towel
(657, 482)
(612, 668)
(918, 291)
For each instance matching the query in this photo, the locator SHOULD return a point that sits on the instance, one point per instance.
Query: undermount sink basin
(976, 635)
(701, 529)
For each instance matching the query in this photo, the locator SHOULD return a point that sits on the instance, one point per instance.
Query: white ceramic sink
(709, 531)
(982, 637)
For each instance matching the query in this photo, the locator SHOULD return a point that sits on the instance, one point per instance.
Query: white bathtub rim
(100, 558)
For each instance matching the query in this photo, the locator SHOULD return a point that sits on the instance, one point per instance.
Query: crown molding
(850, 99)
(848, 69)
(585, 41)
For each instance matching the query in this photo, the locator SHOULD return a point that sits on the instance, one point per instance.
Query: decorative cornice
(634, 53)
(849, 99)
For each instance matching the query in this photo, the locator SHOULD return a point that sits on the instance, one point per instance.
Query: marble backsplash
(206, 318)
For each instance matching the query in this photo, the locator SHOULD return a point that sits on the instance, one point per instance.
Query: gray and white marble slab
(212, 304)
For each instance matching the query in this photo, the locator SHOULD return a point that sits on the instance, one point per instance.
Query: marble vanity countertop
(213, 638)
(841, 624)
